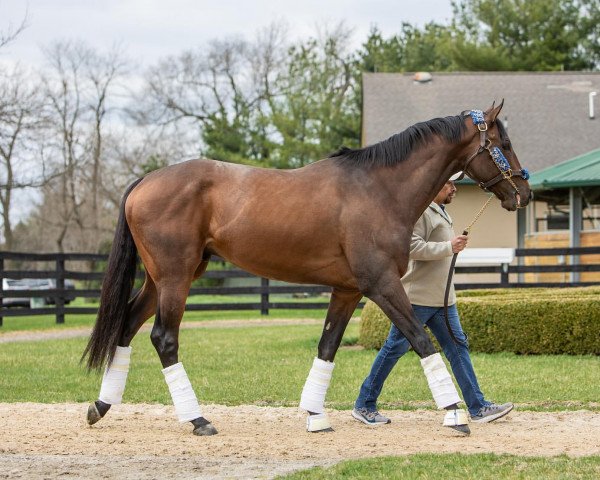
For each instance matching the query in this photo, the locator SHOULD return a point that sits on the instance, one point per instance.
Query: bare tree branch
(13, 31)
(79, 88)
(19, 121)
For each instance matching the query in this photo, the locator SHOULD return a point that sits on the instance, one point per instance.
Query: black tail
(116, 290)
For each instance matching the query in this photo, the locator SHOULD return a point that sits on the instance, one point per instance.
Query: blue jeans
(396, 345)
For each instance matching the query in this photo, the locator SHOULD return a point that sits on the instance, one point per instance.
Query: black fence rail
(60, 295)
(505, 270)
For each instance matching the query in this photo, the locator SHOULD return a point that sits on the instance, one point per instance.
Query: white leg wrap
(317, 423)
(182, 393)
(315, 388)
(115, 377)
(439, 380)
(455, 418)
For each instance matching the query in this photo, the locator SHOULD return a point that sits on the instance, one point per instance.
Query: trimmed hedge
(374, 326)
(525, 321)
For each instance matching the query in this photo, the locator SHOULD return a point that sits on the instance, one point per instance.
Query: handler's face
(446, 194)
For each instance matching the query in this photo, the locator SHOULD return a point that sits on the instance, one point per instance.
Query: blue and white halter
(506, 172)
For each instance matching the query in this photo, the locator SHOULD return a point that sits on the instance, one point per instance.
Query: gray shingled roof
(546, 113)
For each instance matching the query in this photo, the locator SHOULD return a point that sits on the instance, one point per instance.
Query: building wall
(495, 228)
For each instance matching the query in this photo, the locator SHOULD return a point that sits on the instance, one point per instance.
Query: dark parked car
(69, 285)
(33, 284)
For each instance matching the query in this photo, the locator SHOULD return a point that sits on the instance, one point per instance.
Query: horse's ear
(493, 112)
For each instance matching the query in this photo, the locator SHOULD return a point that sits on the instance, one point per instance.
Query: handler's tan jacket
(430, 258)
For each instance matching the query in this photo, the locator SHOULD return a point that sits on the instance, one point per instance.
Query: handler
(432, 245)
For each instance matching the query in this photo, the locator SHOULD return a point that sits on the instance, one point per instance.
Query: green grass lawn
(268, 366)
(456, 466)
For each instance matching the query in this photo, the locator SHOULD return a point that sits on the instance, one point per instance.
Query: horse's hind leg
(172, 294)
(142, 307)
(340, 310)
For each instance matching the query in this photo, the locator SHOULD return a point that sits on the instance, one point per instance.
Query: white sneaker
(370, 418)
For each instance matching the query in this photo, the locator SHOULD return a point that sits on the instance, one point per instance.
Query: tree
(220, 90)
(20, 120)
(413, 49)
(78, 88)
(102, 72)
(10, 33)
(379, 54)
(261, 102)
(494, 35)
(19, 116)
(317, 106)
(526, 35)
(427, 48)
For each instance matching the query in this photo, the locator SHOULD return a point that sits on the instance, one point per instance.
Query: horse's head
(491, 161)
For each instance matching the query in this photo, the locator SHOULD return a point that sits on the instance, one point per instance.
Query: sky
(150, 29)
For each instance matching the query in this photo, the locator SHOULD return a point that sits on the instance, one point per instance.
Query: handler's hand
(459, 243)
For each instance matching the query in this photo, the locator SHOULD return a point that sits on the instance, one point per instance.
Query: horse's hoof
(462, 429)
(457, 420)
(96, 411)
(93, 415)
(329, 429)
(318, 423)
(205, 430)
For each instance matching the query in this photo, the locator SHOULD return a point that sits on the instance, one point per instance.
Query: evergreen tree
(317, 109)
(526, 34)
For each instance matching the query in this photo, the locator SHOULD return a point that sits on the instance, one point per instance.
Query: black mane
(399, 146)
(504, 140)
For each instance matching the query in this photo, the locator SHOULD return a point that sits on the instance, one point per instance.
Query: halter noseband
(506, 173)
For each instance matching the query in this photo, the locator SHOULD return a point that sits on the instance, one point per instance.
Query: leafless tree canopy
(80, 86)
(21, 120)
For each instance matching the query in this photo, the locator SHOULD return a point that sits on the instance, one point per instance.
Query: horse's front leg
(341, 307)
(165, 338)
(388, 293)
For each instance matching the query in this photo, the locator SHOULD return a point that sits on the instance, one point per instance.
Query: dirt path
(146, 441)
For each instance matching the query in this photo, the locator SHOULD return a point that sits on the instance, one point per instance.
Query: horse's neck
(414, 182)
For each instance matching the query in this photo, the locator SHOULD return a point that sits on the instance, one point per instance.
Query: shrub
(374, 326)
(526, 321)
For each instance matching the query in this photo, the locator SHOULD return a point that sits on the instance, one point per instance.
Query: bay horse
(345, 222)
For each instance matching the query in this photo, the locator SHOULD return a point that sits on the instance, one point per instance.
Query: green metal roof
(581, 171)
